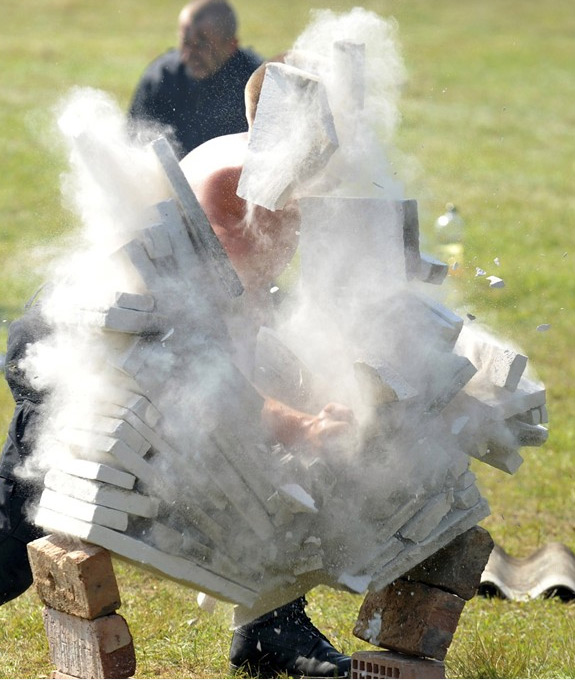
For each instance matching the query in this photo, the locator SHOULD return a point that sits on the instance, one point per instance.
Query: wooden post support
(76, 582)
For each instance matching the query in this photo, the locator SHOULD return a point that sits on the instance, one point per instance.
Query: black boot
(286, 642)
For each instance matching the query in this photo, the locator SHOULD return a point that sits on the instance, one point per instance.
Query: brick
(73, 577)
(411, 618)
(102, 648)
(374, 664)
(457, 568)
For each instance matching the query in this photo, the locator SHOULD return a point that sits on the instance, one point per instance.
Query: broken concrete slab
(88, 469)
(88, 512)
(99, 493)
(177, 568)
(281, 156)
(457, 567)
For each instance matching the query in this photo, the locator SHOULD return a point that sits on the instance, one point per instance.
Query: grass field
(488, 123)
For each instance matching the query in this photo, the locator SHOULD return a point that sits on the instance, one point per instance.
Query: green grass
(488, 123)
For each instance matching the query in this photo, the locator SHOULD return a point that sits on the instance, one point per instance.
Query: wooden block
(411, 618)
(74, 577)
(457, 568)
(102, 648)
(372, 664)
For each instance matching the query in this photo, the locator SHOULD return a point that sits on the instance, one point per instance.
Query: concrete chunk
(180, 569)
(282, 156)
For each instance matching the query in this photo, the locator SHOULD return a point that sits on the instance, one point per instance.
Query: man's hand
(333, 427)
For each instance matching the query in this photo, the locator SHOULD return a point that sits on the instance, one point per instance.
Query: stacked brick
(76, 583)
(167, 463)
(415, 617)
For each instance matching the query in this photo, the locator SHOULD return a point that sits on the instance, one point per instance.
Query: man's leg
(15, 533)
(286, 642)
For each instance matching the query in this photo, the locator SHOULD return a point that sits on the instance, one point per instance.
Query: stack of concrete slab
(170, 467)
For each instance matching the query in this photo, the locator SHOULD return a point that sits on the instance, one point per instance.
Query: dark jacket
(194, 110)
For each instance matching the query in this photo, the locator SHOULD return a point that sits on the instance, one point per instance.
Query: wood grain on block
(74, 577)
(88, 512)
(281, 156)
(198, 225)
(375, 664)
(102, 648)
(411, 618)
(180, 569)
(457, 567)
(101, 494)
(88, 469)
(139, 302)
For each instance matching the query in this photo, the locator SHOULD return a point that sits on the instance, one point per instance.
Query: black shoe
(285, 642)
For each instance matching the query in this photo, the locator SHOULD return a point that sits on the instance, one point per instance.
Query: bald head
(254, 86)
(207, 31)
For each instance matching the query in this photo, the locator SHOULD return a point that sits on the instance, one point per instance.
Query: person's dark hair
(218, 12)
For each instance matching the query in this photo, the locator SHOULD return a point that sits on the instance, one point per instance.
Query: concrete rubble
(191, 488)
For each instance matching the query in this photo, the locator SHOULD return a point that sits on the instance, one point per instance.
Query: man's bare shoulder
(214, 155)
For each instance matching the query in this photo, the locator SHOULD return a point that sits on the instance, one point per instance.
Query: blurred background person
(195, 92)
